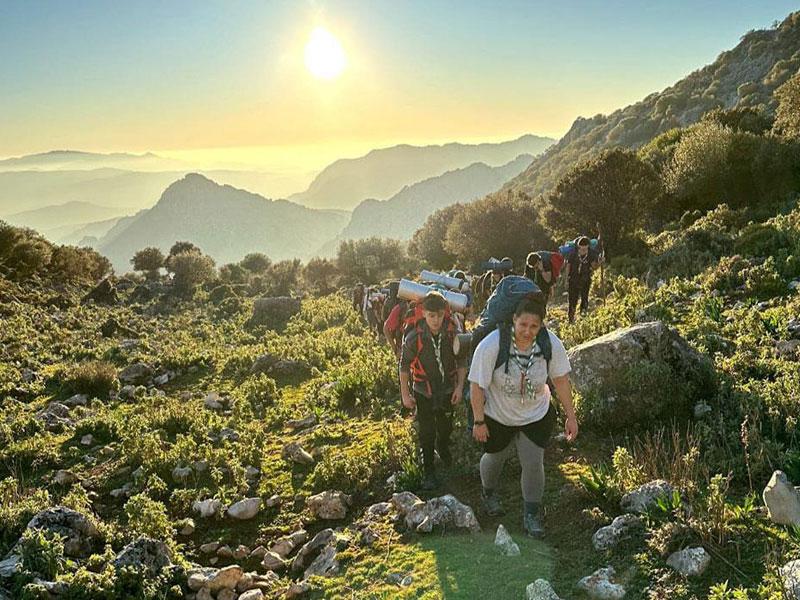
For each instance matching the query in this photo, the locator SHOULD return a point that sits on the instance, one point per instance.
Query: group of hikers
(505, 370)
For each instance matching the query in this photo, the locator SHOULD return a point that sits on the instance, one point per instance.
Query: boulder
(609, 536)
(303, 423)
(225, 578)
(10, 566)
(80, 534)
(645, 496)
(64, 477)
(504, 541)
(273, 562)
(244, 509)
(145, 554)
(296, 453)
(540, 590)
(136, 374)
(55, 417)
(255, 594)
(443, 511)
(103, 293)
(273, 313)
(325, 564)
(609, 372)
(311, 548)
(284, 546)
(329, 505)
(790, 575)
(690, 562)
(600, 586)
(782, 500)
(76, 400)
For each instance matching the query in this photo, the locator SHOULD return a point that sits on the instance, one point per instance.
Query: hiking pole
(602, 262)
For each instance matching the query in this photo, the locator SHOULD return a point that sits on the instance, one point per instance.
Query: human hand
(408, 401)
(571, 428)
(480, 433)
(456, 397)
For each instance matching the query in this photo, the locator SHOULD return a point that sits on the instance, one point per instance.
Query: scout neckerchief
(437, 351)
(525, 384)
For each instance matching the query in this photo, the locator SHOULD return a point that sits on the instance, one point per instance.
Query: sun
(325, 58)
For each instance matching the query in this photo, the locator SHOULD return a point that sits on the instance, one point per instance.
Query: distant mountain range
(744, 76)
(405, 212)
(63, 160)
(225, 222)
(382, 173)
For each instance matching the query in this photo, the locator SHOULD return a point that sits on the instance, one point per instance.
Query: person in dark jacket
(431, 381)
(580, 265)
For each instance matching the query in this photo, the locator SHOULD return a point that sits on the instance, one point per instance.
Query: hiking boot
(530, 520)
(491, 503)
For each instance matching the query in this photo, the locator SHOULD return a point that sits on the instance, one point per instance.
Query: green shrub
(763, 280)
(149, 518)
(95, 379)
(42, 553)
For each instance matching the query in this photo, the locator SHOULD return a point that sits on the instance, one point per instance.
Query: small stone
(258, 553)
(207, 508)
(225, 552)
(214, 401)
(252, 595)
(782, 500)
(252, 472)
(329, 505)
(273, 501)
(701, 409)
(161, 379)
(209, 548)
(244, 509)
(609, 536)
(645, 496)
(273, 562)
(504, 541)
(197, 578)
(241, 552)
(307, 421)
(77, 400)
(188, 527)
(87, 440)
(227, 577)
(295, 452)
(64, 477)
(690, 562)
(540, 590)
(790, 574)
(599, 585)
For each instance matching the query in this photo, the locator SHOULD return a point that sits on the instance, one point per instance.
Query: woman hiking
(431, 379)
(511, 401)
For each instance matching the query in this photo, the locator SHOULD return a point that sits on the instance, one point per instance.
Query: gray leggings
(531, 458)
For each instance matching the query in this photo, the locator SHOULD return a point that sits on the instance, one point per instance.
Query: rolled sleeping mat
(415, 292)
(461, 344)
(452, 283)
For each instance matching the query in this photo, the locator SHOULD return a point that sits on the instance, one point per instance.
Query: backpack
(569, 249)
(542, 339)
(392, 300)
(414, 322)
(552, 261)
(502, 303)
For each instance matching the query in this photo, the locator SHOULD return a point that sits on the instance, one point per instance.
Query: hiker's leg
(492, 467)
(468, 404)
(427, 429)
(531, 459)
(573, 301)
(585, 296)
(444, 426)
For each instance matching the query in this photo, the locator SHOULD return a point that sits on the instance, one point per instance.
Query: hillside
(384, 172)
(745, 76)
(225, 222)
(405, 212)
(51, 220)
(73, 159)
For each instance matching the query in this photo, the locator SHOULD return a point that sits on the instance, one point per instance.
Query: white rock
(245, 509)
(690, 562)
(214, 401)
(225, 578)
(790, 574)
(782, 500)
(329, 504)
(273, 562)
(77, 400)
(64, 477)
(199, 577)
(188, 528)
(161, 379)
(296, 453)
(255, 594)
(504, 541)
(540, 590)
(209, 548)
(645, 496)
(207, 508)
(599, 585)
(87, 440)
(610, 535)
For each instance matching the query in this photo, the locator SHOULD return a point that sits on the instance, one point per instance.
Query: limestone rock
(442, 511)
(645, 496)
(244, 509)
(609, 536)
(273, 313)
(187, 527)
(207, 508)
(255, 594)
(198, 577)
(225, 552)
(303, 423)
(204, 594)
(103, 293)
(782, 500)
(214, 401)
(64, 477)
(310, 548)
(10, 565)
(609, 401)
(136, 374)
(690, 562)
(226, 594)
(790, 574)
(325, 564)
(87, 440)
(258, 553)
(329, 505)
(145, 553)
(599, 585)
(227, 577)
(273, 562)
(540, 590)
(295, 452)
(209, 548)
(80, 534)
(76, 400)
(504, 541)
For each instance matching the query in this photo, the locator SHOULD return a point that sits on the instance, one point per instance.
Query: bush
(68, 263)
(149, 260)
(190, 269)
(95, 379)
(763, 281)
(149, 518)
(23, 252)
(370, 260)
(787, 115)
(42, 553)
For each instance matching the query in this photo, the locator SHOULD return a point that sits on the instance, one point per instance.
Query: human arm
(477, 399)
(564, 394)
(406, 356)
(458, 391)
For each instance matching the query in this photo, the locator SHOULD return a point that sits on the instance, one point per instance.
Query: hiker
(431, 379)
(393, 326)
(543, 268)
(511, 401)
(580, 264)
(486, 283)
(358, 297)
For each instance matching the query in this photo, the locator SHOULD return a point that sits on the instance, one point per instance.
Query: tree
(741, 118)
(370, 260)
(256, 262)
(427, 243)
(282, 277)
(70, 263)
(180, 248)
(500, 224)
(149, 260)
(23, 252)
(787, 115)
(234, 273)
(190, 269)
(320, 276)
(615, 189)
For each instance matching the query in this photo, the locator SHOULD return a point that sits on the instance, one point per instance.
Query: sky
(223, 82)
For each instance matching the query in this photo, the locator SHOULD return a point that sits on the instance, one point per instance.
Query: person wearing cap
(431, 380)
(543, 268)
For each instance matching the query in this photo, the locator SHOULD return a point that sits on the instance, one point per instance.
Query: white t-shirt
(504, 403)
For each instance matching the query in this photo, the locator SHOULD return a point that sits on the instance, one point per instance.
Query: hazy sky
(225, 80)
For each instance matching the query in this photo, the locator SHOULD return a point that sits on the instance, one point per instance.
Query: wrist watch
(478, 423)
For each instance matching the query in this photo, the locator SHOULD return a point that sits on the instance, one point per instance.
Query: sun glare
(325, 58)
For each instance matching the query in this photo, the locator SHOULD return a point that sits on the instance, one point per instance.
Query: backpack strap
(542, 340)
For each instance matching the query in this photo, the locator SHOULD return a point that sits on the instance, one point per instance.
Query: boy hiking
(580, 265)
(432, 379)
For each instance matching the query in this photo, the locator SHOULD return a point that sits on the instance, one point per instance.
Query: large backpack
(502, 303)
(391, 301)
(569, 249)
(414, 322)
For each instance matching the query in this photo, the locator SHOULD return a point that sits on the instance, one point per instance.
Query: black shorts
(538, 432)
